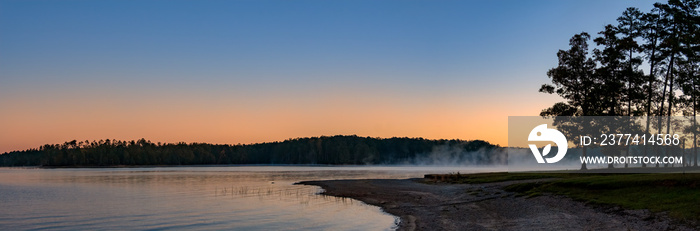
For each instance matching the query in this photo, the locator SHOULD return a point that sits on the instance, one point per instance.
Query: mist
(458, 155)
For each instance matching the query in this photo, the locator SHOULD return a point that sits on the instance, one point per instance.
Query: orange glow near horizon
(33, 123)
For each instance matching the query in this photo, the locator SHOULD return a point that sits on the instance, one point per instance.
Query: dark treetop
(325, 150)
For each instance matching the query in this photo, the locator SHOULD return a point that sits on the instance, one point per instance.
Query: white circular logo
(542, 133)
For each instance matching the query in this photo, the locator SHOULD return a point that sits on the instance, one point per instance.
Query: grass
(675, 193)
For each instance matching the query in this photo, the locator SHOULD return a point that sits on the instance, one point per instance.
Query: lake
(202, 198)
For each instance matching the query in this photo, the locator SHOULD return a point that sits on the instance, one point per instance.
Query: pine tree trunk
(661, 108)
(695, 151)
(650, 92)
(670, 102)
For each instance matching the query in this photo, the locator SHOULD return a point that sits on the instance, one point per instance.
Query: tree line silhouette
(610, 80)
(325, 150)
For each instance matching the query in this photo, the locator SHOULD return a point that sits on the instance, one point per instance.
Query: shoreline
(425, 205)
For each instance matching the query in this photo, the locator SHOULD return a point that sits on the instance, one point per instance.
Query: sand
(439, 206)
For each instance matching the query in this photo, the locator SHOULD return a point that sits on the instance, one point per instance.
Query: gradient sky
(254, 71)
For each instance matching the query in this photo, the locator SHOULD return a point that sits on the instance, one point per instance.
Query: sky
(248, 71)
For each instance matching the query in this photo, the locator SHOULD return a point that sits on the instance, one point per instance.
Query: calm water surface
(202, 198)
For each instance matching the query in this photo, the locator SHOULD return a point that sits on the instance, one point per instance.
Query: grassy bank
(675, 193)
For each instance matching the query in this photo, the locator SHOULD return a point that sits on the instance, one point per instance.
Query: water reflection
(202, 198)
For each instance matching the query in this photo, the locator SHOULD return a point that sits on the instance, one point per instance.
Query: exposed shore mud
(438, 206)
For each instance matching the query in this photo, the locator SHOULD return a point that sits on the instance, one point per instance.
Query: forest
(325, 150)
(645, 65)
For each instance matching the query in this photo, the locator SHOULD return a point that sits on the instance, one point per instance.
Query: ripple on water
(202, 198)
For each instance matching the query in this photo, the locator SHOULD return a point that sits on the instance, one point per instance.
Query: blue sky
(82, 60)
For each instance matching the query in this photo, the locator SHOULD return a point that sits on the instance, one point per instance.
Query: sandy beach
(425, 205)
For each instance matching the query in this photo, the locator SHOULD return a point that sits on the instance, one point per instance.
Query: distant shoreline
(325, 150)
(198, 165)
(250, 165)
